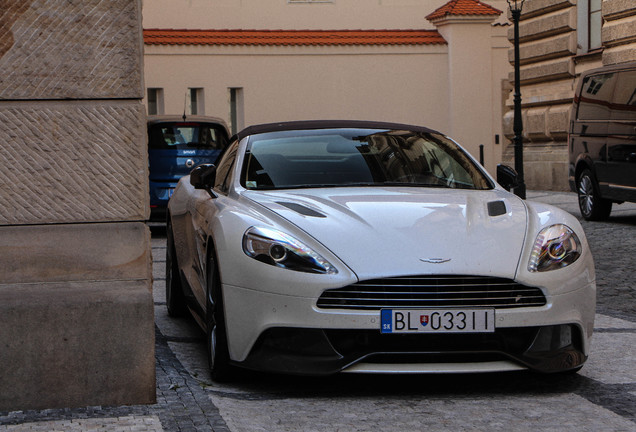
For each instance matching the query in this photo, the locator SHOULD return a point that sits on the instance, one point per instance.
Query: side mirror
(203, 176)
(507, 177)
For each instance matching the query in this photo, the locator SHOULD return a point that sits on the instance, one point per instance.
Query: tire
(573, 371)
(218, 354)
(175, 300)
(592, 206)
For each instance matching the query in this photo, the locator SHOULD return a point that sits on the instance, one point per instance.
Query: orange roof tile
(291, 37)
(463, 7)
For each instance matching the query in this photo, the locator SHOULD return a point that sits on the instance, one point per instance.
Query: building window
(237, 117)
(595, 23)
(155, 101)
(194, 100)
(590, 23)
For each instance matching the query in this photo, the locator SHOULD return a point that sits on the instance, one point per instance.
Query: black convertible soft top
(327, 124)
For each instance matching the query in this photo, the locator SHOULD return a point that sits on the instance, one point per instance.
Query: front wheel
(592, 206)
(218, 355)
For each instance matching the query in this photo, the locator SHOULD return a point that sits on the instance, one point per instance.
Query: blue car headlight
(555, 247)
(282, 250)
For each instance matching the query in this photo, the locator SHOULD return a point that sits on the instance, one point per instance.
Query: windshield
(188, 135)
(357, 157)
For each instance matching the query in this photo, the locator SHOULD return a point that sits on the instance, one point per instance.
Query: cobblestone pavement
(602, 397)
(182, 405)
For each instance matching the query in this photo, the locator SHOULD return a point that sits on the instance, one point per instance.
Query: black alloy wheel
(218, 355)
(592, 206)
(175, 300)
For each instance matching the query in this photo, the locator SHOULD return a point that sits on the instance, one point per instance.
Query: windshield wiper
(431, 185)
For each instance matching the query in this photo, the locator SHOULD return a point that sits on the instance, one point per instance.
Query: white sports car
(347, 246)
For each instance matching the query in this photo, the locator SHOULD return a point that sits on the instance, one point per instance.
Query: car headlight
(282, 250)
(556, 246)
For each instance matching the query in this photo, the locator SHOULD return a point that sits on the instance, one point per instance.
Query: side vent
(301, 209)
(496, 208)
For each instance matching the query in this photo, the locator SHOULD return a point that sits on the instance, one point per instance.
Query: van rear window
(187, 136)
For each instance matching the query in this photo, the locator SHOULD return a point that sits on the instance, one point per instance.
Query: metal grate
(432, 291)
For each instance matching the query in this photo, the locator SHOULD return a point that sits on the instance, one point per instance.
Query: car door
(204, 210)
(621, 139)
(589, 132)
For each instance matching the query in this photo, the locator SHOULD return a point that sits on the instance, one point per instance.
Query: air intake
(432, 291)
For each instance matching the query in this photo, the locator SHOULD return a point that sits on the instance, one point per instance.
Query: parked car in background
(602, 140)
(346, 246)
(175, 145)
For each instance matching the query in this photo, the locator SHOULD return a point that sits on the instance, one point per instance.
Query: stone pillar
(76, 309)
(471, 79)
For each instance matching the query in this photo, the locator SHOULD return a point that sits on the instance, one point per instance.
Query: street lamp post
(520, 189)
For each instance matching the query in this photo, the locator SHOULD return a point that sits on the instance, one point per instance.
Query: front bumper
(160, 193)
(289, 334)
(322, 352)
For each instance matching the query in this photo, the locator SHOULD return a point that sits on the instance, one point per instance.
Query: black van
(602, 139)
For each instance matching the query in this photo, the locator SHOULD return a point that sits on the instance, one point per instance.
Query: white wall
(307, 83)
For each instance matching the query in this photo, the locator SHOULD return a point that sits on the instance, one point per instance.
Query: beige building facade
(559, 40)
(429, 62)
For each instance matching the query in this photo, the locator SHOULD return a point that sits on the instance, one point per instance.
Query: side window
(624, 101)
(224, 169)
(596, 97)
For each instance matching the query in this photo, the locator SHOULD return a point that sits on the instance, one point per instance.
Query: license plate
(437, 320)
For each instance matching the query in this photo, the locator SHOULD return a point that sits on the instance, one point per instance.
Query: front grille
(432, 291)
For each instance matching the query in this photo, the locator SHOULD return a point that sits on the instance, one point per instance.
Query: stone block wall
(550, 64)
(75, 265)
(619, 31)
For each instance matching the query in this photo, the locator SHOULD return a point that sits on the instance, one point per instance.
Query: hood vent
(496, 208)
(301, 209)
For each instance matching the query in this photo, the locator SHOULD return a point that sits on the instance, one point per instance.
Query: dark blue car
(175, 146)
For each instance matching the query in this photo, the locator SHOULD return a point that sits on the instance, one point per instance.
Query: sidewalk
(182, 405)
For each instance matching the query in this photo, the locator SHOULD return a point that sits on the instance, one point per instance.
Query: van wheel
(592, 206)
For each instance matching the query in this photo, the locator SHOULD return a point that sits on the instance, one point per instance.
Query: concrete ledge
(545, 49)
(76, 344)
(558, 121)
(540, 7)
(619, 54)
(547, 71)
(619, 32)
(614, 9)
(75, 252)
(562, 21)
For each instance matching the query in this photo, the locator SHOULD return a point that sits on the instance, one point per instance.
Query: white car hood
(382, 232)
